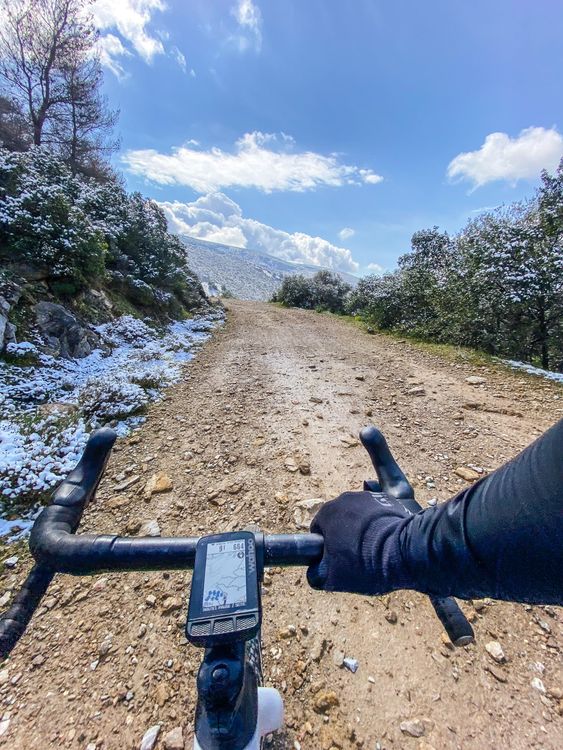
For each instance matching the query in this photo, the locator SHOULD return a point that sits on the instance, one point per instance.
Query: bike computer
(224, 599)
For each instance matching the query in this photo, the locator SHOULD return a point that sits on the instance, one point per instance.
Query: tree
(49, 67)
(14, 134)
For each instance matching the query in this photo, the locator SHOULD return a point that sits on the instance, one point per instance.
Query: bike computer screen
(224, 599)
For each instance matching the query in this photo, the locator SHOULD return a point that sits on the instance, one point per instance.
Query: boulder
(63, 333)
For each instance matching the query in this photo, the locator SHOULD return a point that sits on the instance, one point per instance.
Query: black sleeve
(502, 537)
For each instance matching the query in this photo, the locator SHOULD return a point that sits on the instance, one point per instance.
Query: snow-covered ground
(557, 376)
(48, 409)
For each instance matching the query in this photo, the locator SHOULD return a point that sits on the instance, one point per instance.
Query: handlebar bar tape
(447, 609)
(15, 620)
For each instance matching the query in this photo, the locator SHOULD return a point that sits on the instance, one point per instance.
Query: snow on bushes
(48, 409)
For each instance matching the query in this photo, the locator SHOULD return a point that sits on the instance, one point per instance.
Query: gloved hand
(362, 530)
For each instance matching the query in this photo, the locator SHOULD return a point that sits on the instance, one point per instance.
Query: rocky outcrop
(10, 292)
(62, 333)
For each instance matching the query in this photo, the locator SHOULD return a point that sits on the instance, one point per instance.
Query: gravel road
(267, 416)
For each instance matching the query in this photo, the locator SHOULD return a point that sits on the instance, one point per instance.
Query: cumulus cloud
(346, 233)
(249, 21)
(217, 218)
(263, 161)
(504, 158)
(374, 268)
(130, 19)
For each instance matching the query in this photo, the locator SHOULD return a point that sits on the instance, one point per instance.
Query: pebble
(304, 510)
(174, 739)
(351, 664)
(150, 528)
(149, 738)
(4, 724)
(470, 475)
(338, 658)
(159, 482)
(391, 616)
(416, 391)
(325, 700)
(538, 685)
(432, 502)
(414, 728)
(171, 604)
(5, 598)
(150, 600)
(494, 649)
(122, 486)
(475, 380)
(11, 562)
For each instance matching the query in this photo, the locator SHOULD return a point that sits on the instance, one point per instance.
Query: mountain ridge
(243, 272)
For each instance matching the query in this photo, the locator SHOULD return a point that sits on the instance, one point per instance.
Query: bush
(323, 291)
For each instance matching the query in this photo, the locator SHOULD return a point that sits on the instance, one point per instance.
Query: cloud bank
(504, 158)
(264, 161)
(217, 218)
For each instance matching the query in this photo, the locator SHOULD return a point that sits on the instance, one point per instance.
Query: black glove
(362, 530)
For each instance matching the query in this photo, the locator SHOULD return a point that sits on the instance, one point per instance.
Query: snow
(48, 410)
(557, 376)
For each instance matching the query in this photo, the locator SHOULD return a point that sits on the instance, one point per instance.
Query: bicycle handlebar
(56, 549)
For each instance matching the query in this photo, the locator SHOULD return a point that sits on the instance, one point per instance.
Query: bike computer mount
(225, 602)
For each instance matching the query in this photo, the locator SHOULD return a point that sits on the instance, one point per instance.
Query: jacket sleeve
(502, 537)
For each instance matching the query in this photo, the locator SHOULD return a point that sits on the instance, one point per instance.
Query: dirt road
(105, 658)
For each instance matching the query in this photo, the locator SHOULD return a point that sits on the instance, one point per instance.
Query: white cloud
(374, 268)
(504, 158)
(346, 233)
(263, 161)
(249, 20)
(130, 19)
(180, 58)
(217, 218)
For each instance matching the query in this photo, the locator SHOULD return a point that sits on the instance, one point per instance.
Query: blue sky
(280, 124)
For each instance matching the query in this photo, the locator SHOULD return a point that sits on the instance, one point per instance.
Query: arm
(502, 537)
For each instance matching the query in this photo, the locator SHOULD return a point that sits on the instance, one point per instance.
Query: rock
(5, 598)
(149, 738)
(63, 334)
(105, 647)
(418, 390)
(305, 468)
(391, 616)
(316, 400)
(288, 632)
(475, 380)
(174, 739)
(129, 482)
(159, 482)
(4, 724)
(304, 511)
(149, 528)
(360, 377)
(351, 664)
(11, 562)
(349, 441)
(466, 473)
(171, 604)
(325, 700)
(494, 649)
(538, 685)
(337, 658)
(291, 465)
(413, 727)
(4, 676)
(432, 502)
(150, 600)
(497, 673)
(38, 661)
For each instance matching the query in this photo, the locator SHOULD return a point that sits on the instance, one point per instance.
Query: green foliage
(497, 286)
(325, 291)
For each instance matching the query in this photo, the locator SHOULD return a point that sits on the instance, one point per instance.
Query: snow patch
(557, 376)
(48, 410)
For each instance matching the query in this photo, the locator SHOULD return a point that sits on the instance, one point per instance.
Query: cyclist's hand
(361, 530)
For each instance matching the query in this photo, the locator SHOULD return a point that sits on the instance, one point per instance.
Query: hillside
(247, 274)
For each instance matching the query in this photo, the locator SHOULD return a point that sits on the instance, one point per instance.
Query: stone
(150, 600)
(349, 441)
(413, 727)
(497, 673)
(288, 632)
(127, 483)
(291, 465)
(337, 658)
(4, 724)
(494, 649)
(174, 739)
(171, 604)
(11, 562)
(105, 647)
(418, 390)
(4, 676)
(318, 648)
(150, 528)
(149, 738)
(391, 616)
(475, 380)
(538, 685)
(159, 482)
(325, 700)
(5, 598)
(304, 468)
(316, 400)
(351, 664)
(63, 334)
(305, 510)
(466, 473)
